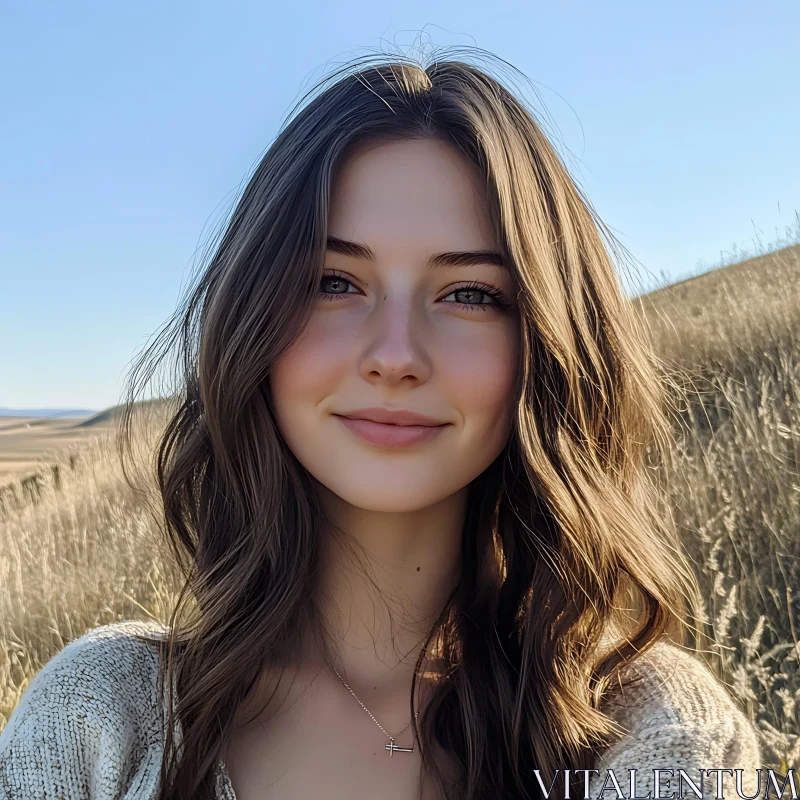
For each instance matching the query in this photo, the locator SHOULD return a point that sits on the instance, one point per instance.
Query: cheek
(479, 375)
(309, 369)
(301, 379)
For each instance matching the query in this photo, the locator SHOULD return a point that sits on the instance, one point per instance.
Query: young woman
(406, 480)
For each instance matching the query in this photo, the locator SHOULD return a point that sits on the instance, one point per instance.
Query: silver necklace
(391, 747)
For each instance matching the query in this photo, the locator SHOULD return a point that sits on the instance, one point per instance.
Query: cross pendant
(391, 747)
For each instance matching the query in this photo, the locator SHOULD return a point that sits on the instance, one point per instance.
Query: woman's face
(390, 331)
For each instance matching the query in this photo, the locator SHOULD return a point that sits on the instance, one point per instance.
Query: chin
(388, 499)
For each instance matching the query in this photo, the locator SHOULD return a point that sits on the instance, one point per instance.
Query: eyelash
(499, 299)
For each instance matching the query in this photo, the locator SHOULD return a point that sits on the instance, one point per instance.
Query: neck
(384, 579)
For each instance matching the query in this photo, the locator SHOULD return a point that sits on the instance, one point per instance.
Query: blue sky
(127, 128)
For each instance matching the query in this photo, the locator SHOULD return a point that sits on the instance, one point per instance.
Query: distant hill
(46, 412)
(101, 417)
(31, 438)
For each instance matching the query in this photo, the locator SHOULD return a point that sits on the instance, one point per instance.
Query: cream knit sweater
(89, 726)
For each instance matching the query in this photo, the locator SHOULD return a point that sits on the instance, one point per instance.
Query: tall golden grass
(79, 548)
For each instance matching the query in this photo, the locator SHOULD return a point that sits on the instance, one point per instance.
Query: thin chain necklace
(391, 747)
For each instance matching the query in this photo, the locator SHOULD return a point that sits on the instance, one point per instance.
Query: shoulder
(106, 664)
(677, 714)
(670, 686)
(86, 717)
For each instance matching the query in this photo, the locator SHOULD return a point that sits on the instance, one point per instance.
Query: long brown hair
(563, 531)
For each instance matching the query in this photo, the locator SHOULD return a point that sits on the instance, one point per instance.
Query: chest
(323, 746)
(294, 766)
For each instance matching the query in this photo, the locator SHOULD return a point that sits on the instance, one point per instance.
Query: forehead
(427, 188)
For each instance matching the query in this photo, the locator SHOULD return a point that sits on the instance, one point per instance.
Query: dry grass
(78, 549)
(83, 550)
(729, 339)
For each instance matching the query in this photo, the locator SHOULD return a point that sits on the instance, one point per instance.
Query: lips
(383, 434)
(390, 416)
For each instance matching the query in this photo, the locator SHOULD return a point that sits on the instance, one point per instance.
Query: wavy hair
(563, 531)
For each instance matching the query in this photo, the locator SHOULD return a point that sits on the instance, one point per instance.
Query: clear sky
(127, 128)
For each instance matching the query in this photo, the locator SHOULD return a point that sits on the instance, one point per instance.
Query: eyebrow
(460, 258)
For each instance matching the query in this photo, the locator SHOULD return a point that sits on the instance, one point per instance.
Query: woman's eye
(338, 282)
(473, 294)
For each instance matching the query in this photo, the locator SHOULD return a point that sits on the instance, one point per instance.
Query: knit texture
(90, 725)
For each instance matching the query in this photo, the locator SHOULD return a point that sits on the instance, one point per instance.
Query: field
(79, 549)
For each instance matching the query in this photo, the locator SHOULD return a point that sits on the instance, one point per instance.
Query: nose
(395, 343)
